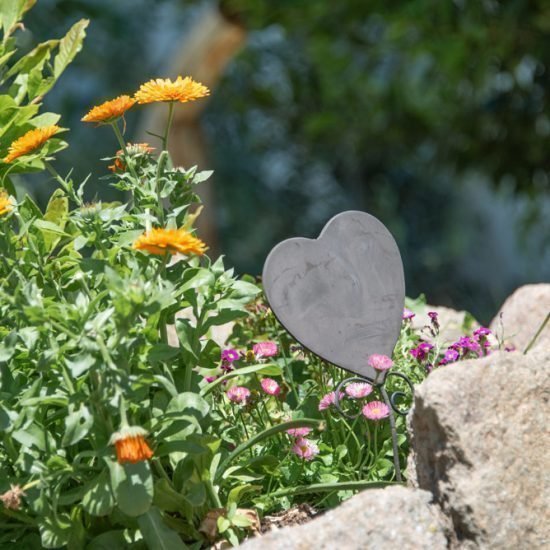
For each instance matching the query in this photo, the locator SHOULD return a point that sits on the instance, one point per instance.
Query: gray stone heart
(340, 295)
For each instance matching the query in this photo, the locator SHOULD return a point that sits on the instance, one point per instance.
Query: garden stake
(341, 296)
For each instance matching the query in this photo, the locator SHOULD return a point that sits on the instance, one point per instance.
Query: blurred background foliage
(433, 115)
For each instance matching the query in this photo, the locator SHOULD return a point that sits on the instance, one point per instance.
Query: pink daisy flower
(305, 449)
(238, 394)
(380, 362)
(270, 386)
(408, 314)
(328, 400)
(265, 349)
(376, 410)
(357, 390)
(299, 432)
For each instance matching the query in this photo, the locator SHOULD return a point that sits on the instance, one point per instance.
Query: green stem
(212, 492)
(338, 486)
(307, 422)
(168, 125)
(127, 158)
(541, 328)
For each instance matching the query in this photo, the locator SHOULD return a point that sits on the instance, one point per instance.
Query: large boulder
(521, 315)
(394, 517)
(479, 446)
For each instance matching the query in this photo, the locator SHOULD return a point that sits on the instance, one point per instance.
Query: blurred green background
(433, 115)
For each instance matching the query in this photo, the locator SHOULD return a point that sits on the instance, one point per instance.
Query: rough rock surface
(453, 324)
(478, 435)
(394, 517)
(522, 314)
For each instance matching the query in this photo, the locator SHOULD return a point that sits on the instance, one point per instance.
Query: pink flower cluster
(329, 399)
(265, 349)
(476, 345)
(238, 394)
(305, 449)
(421, 351)
(376, 410)
(270, 386)
(358, 390)
(380, 362)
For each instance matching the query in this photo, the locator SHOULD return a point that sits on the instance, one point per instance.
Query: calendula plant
(124, 422)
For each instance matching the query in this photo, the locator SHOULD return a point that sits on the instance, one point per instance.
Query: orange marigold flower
(30, 141)
(130, 445)
(182, 90)
(5, 203)
(110, 110)
(161, 241)
(133, 149)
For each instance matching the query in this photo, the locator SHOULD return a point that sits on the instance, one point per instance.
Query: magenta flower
(305, 449)
(432, 315)
(481, 333)
(230, 355)
(466, 344)
(238, 394)
(328, 400)
(510, 348)
(376, 410)
(408, 314)
(451, 355)
(358, 390)
(270, 386)
(211, 378)
(299, 432)
(380, 362)
(265, 349)
(421, 351)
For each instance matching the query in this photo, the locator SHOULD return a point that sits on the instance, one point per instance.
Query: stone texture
(453, 324)
(478, 435)
(521, 315)
(394, 517)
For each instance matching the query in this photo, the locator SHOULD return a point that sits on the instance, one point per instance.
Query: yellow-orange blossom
(110, 110)
(174, 241)
(5, 203)
(181, 90)
(30, 141)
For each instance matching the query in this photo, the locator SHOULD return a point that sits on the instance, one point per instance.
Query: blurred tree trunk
(209, 48)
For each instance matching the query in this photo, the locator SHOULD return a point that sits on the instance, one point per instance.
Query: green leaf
(238, 492)
(11, 13)
(196, 277)
(80, 363)
(33, 436)
(57, 209)
(49, 227)
(188, 404)
(69, 46)
(161, 352)
(99, 500)
(157, 535)
(194, 493)
(5, 419)
(242, 289)
(166, 498)
(77, 426)
(132, 486)
(55, 532)
(111, 540)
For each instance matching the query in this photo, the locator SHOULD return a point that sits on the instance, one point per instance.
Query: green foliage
(23, 83)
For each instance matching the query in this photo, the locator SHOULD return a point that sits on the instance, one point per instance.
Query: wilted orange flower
(110, 110)
(161, 241)
(130, 445)
(31, 141)
(182, 90)
(133, 149)
(11, 499)
(5, 203)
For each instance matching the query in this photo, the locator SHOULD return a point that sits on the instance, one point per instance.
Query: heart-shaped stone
(340, 295)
